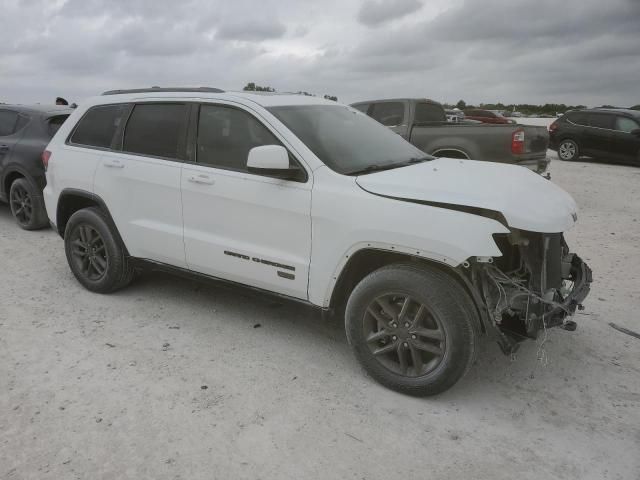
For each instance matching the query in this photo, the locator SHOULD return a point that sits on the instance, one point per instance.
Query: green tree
(252, 87)
(461, 104)
(331, 97)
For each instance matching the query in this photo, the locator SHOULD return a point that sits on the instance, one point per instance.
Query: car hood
(526, 200)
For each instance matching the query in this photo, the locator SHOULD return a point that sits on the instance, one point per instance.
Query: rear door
(139, 179)
(240, 226)
(625, 144)
(598, 135)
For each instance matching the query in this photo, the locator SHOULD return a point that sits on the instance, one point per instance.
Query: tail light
(553, 127)
(46, 155)
(517, 142)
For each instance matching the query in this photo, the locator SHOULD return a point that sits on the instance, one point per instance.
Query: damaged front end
(536, 284)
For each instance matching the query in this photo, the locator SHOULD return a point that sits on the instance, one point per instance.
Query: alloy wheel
(567, 150)
(404, 335)
(21, 204)
(88, 252)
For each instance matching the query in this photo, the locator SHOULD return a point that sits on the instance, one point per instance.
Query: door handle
(113, 164)
(202, 179)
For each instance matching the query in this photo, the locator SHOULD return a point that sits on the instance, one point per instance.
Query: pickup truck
(424, 123)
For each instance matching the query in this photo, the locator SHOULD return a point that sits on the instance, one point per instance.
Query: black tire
(27, 205)
(568, 150)
(94, 252)
(445, 304)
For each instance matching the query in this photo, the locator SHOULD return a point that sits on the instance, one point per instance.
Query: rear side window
(157, 129)
(388, 113)
(225, 136)
(98, 126)
(429, 112)
(601, 120)
(54, 123)
(625, 124)
(8, 120)
(578, 118)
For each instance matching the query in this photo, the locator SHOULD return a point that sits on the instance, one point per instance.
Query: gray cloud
(494, 50)
(376, 12)
(251, 30)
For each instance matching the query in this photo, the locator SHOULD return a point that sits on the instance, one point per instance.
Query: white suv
(314, 201)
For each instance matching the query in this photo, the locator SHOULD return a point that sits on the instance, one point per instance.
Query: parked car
(487, 116)
(606, 133)
(24, 133)
(316, 202)
(423, 123)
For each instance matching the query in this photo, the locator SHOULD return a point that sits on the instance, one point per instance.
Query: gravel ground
(173, 379)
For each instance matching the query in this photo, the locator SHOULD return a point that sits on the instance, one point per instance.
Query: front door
(243, 227)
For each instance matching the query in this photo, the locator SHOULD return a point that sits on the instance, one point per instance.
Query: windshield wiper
(388, 166)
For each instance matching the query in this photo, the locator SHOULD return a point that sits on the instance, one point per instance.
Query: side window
(54, 124)
(429, 112)
(601, 120)
(157, 129)
(363, 107)
(625, 124)
(98, 126)
(225, 136)
(578, 118)
(388, 113)
(8, 120)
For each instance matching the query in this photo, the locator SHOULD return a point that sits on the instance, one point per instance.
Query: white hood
(527, 200)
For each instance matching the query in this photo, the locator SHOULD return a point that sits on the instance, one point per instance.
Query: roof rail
(164, 89)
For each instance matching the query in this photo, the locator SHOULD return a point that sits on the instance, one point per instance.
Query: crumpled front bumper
(582, 277)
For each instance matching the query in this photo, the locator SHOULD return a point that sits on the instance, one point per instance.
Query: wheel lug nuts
(394, 325)
(414, 337)
(394, 338)
(405, 344)
(406, 325)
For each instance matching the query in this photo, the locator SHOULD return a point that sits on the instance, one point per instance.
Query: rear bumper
(538, 165)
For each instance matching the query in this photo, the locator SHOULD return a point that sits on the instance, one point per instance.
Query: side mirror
(273, 161)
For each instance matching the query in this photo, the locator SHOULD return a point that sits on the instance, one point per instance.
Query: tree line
(527, 108)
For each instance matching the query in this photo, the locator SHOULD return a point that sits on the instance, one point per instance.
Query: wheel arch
(72, 200)
(366, 260)
(12, 173)
(452, 153)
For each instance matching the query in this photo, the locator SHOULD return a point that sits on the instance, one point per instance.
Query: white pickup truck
(316, 202)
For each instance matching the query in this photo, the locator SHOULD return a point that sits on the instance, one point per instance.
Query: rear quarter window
(98, 126)
(54, 124)
(578, 118)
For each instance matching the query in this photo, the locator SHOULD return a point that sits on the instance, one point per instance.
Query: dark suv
(610, 133)
(24, 134)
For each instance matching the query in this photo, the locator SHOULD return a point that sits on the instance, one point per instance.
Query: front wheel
(568, 150)
(412, 328)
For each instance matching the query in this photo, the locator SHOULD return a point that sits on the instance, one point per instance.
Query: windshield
(346, 140)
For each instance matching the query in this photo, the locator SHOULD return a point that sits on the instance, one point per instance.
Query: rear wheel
(412, 329)
(94, 253)
(568, 150)
(27, 205)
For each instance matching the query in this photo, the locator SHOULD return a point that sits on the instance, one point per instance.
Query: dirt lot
(172, 379)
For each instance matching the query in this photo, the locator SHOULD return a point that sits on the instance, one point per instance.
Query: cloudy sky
(534, 51)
